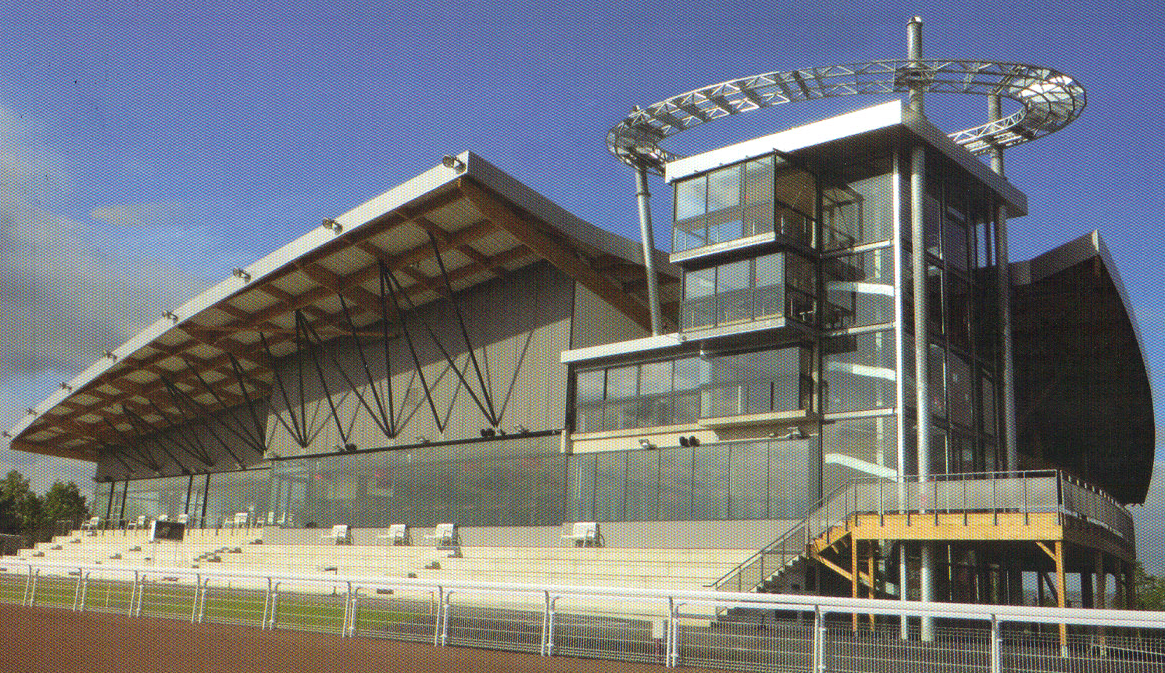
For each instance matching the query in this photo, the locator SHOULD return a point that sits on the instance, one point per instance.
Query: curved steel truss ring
(1050, 99)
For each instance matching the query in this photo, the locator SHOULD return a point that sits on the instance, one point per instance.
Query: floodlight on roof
(335, 226)
(30, 411)
(452, 162)
(242, 275)
(111, 355)
(65, 386)
(170, 315)
(645, 443)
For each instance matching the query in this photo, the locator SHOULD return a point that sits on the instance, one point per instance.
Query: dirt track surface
(60, 641)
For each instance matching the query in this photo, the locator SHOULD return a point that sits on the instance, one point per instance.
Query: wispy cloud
(66, 293)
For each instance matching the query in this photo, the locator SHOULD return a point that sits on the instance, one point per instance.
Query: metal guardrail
(988, 492)
(668, 627)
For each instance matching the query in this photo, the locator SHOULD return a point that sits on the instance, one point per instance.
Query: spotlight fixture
(795, 433)
(693, 441)
(30, 411)
(242, 274)
(520, 429)
(486, 433)
(350, 448)
(422, 440)
(111, 355)
(5, 433)
(335, 226)
(645, 443)
(170, 316)
(65, 386)
(452, 162)
(684, 441)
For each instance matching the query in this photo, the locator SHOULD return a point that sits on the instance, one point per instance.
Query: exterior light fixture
(486, 433)
(421, 440)
(350, 448)
(452, 162)
(520, 429)
(111, 355)
(5, 433)
(30, 411)
(65, 386)
(170, 315)
(243, 275)
(335, 226)
(684, 441)
(645, 443)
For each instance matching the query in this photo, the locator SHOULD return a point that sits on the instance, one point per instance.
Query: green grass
(297, 611)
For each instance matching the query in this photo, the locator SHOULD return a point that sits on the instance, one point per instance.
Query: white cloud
(140, 215)
(66, 292)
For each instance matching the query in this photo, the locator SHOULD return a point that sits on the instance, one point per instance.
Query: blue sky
(148, 150)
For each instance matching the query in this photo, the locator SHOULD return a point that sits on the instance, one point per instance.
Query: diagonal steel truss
(1050, 99)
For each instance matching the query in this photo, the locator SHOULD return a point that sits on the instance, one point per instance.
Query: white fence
(758, 632)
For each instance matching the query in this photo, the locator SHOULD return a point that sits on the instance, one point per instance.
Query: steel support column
(648, 236)
(1003, 279)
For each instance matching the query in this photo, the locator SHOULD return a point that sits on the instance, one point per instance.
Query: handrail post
(672, 655)
(818, 640)
(996, 646)
(545, 622)
(1026, 507)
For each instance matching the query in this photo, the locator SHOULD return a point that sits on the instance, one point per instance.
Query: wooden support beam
(555, 252)
(1061, 599)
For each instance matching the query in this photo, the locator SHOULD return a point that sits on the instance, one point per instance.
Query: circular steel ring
(1051, 100)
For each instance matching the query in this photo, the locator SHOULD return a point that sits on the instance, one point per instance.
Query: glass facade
(769, 286)
(672, 392)
(512, 482)
(767, 195)
(766, 479)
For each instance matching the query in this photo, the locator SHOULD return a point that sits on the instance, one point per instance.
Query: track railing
(770, 632)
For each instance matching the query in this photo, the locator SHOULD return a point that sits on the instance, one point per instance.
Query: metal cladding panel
(1083, 398)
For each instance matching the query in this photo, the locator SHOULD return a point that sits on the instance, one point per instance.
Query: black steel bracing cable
(155, 435)
(256, 443)
(385, 272)
(309, 333)
(180, 438)
(207, 415)
(448, 358)
(491, 415)
(298, 434)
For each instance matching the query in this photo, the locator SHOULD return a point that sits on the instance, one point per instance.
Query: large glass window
(510, 482)
(716, 482)
(763, 195)
(860, 289)
(757, 382)
(638, 396)
(780, 284)
(859, 448)
(860, 371)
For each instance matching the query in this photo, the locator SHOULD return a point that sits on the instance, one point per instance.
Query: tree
(1150, 590)
(64, 501)
(20, 508)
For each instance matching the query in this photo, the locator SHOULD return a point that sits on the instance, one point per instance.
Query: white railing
(761, 631)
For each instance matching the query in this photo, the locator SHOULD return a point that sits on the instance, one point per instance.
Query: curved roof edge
(545, 230)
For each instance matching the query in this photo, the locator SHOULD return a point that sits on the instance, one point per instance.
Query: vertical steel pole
(1011, 451)
(918, 263)
(648, 236)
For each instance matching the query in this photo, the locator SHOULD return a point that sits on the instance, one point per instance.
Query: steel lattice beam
(1050, 99)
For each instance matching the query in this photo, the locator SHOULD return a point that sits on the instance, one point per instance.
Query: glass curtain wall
(858, 347)
(512, 482)
(767, 479)
(961, 323)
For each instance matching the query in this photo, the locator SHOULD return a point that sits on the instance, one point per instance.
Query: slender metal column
(921, 363)
(1011, 451)
(645, 231)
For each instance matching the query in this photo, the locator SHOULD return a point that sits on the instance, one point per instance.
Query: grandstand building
(461, 350)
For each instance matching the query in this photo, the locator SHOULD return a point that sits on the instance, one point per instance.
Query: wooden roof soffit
(561, 256)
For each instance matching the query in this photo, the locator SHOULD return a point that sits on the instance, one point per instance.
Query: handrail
(1073, 497)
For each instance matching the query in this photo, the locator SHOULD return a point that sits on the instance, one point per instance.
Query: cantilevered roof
(1083, 398)
(452, 227)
